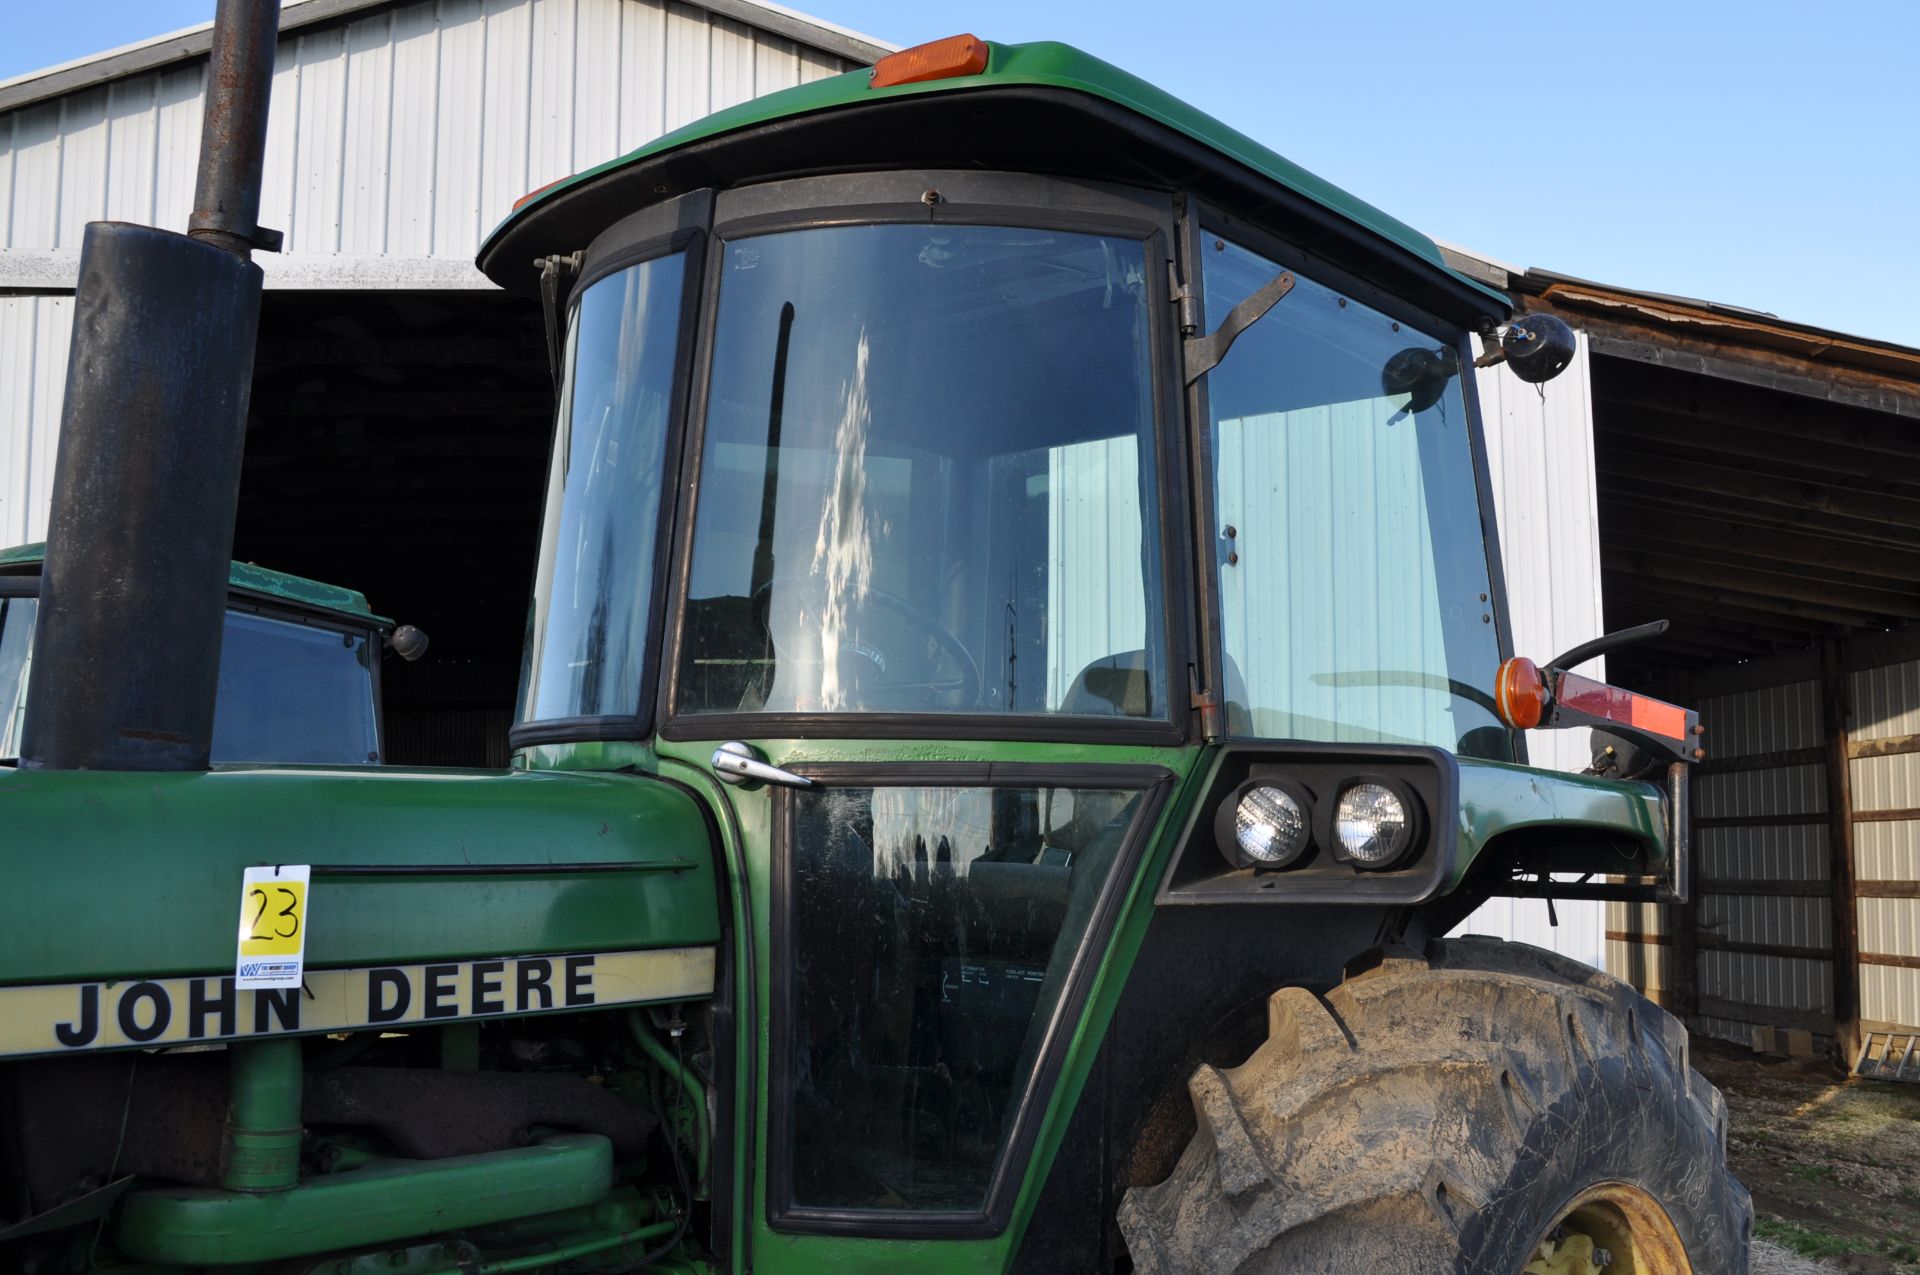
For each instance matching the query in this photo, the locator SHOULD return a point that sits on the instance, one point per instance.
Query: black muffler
(133, 592)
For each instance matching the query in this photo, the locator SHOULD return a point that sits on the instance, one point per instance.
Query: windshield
(1349, 554)
(289, 692)
(926, 478)
(593, 589)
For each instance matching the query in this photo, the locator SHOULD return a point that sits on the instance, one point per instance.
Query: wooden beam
(1710, 472)
(1836, 698)
(1813, 1020)
(1745, 408)
(1672, 498)
(1892, 746)
(1683, 566)
(1886, 889)
(1709, 599)
(1762, 821)
(1885, 816)
(1813, 756)
(1896, 960)
(1775, 887)
(1675, 566)
(1615, 331)
(1711, 942)
(1758, 544)
(1678, 429)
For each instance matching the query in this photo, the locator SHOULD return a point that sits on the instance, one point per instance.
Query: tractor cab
(299, 665)
(1031, 502)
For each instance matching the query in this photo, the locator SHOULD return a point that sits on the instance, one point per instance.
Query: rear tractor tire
(1490, 1109)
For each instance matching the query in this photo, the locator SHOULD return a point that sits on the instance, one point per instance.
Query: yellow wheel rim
(1612, 1228)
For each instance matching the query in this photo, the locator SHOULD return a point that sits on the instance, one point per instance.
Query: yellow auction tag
(273, 925)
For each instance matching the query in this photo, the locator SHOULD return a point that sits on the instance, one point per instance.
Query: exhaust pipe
(133, 591)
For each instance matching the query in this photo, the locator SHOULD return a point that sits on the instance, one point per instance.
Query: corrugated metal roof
(193, 42)
(397, 131)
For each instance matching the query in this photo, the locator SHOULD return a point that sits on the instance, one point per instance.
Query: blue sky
(1764, 153)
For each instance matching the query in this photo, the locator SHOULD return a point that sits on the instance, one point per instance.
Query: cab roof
(248, 578)
(562, 217)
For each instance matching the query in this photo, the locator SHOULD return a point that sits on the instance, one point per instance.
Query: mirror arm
(1605, 643)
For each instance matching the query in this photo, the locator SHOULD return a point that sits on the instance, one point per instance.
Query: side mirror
(407, 642)
(1537, 347)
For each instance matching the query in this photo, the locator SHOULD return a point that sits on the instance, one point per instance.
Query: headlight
(1374, 823)
(1268, 824)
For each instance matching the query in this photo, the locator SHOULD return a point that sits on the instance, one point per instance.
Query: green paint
(389, 1200)
(247, 578)
(682, 1076)
(1497, 798)
(1047, 65)
(805, 1255)
(263, 1119)
(148, 874)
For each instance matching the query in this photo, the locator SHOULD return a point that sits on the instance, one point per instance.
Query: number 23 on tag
(273, 926)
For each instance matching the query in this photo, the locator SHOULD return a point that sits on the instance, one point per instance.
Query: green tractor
(1017, 688)
(299, 665)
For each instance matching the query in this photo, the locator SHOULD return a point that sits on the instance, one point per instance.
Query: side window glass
(931, 934)
(1350, 559)
(17, 614)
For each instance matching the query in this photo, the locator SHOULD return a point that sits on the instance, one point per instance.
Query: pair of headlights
(1374, 824)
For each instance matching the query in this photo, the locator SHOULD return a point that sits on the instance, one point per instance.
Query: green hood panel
(116, 875)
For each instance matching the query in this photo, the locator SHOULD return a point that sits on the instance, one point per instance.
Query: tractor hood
(128, 876)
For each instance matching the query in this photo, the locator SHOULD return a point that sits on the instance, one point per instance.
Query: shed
(1758, 485)
(402, 404)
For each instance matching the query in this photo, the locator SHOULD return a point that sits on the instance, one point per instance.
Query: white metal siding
(1886, 705)
(34, 334)
(1546, 501)
(407, 132)
(395, 142)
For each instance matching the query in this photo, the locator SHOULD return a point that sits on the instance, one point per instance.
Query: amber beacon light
(1520, 693)
(936, 60)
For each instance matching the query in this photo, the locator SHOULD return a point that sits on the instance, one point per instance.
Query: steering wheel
(807, 592)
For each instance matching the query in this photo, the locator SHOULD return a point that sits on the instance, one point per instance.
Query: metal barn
(1758, 485)
(401, 404)
(1738, 475)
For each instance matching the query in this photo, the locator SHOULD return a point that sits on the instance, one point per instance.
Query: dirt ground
(1833, 1162)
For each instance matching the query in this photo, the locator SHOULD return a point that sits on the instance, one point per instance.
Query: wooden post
(1837, 700)
(1683, 919)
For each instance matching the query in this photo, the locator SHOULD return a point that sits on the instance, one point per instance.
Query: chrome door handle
(736, 764)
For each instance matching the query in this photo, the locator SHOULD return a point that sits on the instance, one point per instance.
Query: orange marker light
(1520, 693)
(935, 60)
(537, 191)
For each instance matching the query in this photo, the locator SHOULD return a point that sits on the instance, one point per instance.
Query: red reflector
(1520, 694)
(935, 60)
(1656, 717)
(537, 191)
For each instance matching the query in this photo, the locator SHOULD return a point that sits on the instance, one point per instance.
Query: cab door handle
(737, 764)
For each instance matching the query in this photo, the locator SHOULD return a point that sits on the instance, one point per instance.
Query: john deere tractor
(1017, 687)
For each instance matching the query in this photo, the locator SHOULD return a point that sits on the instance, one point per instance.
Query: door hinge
(1186, 301)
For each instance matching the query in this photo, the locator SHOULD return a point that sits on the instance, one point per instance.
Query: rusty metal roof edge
(175, 47)
(1733, 320)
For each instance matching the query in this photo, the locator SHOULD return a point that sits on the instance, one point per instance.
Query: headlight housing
(1266, 826)
(1375, 823)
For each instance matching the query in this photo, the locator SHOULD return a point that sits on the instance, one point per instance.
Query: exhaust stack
(133, 592)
